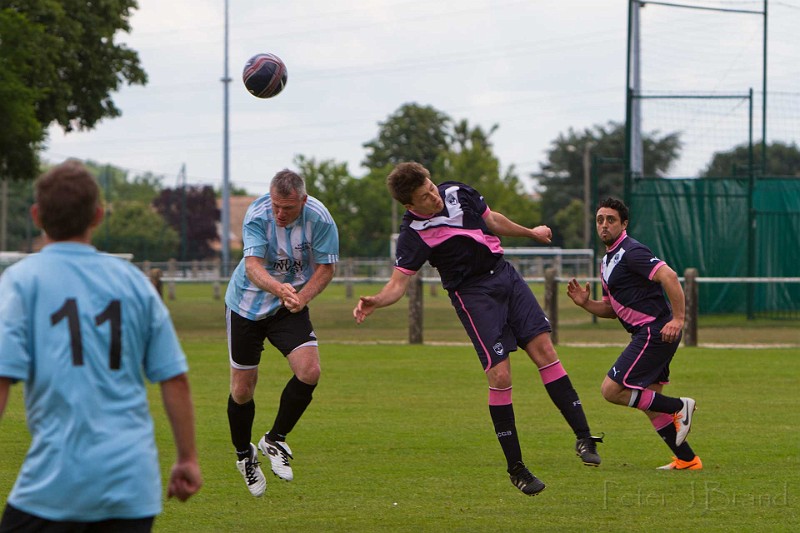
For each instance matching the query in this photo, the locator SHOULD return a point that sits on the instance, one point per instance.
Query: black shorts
(645, 360)
(499, 313)
(286, 331)
(22, 522)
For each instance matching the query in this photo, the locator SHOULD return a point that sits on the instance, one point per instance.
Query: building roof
(238, 208)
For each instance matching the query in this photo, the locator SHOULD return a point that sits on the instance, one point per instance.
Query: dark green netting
(703, 223)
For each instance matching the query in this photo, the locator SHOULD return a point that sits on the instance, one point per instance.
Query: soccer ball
(264, 75)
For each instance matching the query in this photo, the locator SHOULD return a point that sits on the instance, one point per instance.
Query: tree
(20, 230)
(371, 215)
(412, 133)
(132, 227)
(562, 175)
(782, 160)
(117, 185)
(59, 64)
(570, 222)
(472, 161)
(192, 212)
(360, 207)
(21, 133)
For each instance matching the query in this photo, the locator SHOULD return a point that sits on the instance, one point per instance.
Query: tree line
(61, 65)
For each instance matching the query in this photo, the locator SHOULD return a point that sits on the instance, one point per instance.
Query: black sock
(683, 452)
(506, 430)
(665, 427)
(566, 399)
(240, 419)
(295, 398)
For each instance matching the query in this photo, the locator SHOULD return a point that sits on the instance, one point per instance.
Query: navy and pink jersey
(627, 272)
(456, 240)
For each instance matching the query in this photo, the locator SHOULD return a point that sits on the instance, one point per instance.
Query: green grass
(195, 312)
(408, 425)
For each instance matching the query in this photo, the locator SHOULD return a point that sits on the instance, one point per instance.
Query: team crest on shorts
(498, 348)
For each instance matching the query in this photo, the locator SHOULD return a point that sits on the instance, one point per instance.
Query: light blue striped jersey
(82, 330)
(290, 253)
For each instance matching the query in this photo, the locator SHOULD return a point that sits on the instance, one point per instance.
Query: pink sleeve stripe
(499, 396)
(552, 372)
(486, 213)
(436, 236)
(658, 265)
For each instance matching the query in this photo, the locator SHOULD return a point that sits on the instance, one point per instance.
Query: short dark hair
(617, 205)
(405, 179)
(67, 196)
(286, 182)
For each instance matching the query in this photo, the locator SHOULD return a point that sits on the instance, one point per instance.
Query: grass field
(398, 437)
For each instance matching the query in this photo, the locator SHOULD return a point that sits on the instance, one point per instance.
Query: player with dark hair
(291, 246)
(451, 227)
(82, 330)
(634, 282)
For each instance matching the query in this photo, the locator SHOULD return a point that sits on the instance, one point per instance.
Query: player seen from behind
(83, 330)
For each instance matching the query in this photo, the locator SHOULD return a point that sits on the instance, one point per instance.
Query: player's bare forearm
(323, 274)
(501, 225)
(580, 297)
(258, 275)
(671, 331)
(5, 385)
(600, 308)
(394, 289)
(185, 478)
(178, 404)
(672, 287)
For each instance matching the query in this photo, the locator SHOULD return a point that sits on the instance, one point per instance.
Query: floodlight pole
(225, 225)
(764, 99)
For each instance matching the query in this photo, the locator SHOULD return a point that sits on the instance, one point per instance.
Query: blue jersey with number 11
(82, 330)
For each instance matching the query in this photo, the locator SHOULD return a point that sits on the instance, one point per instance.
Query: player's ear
(98, 217)
(35, 216)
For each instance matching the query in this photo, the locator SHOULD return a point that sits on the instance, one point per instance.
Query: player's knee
(499, 378)
(242, 390)
(241, 394)
(609, 392)
(309, 374)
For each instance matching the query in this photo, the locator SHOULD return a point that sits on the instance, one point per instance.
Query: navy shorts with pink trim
(499, 313)
(645, 360)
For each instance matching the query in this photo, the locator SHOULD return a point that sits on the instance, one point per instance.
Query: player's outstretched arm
(580, 296)
(394, 289)
(501, 225)
(185, 478)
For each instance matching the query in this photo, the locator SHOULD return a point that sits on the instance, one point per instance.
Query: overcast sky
(534, 67)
